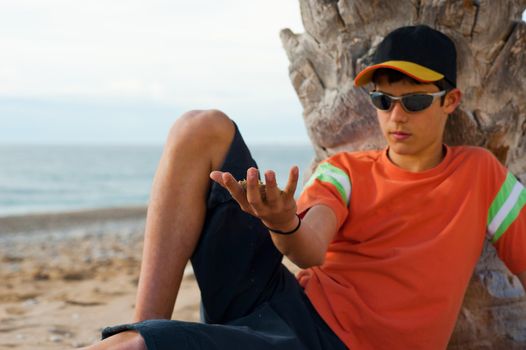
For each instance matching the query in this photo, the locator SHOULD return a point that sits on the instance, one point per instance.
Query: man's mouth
(400, 135)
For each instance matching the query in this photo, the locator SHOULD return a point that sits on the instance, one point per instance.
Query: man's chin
(402, 149)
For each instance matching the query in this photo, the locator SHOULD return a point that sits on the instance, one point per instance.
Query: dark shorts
(249, 299)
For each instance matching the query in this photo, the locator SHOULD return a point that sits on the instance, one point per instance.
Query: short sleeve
(507, 221)
(329, 185)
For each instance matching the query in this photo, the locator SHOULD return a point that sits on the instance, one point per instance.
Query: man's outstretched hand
(277, 211)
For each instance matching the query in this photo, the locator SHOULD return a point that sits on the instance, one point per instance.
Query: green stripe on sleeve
(501, 197)
(331, 174)
(512, 215)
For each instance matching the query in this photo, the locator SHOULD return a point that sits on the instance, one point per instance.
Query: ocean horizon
(38, 179)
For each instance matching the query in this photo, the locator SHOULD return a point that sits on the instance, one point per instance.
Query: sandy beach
(66, 276)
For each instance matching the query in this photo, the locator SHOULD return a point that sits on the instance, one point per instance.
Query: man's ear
(452, 100)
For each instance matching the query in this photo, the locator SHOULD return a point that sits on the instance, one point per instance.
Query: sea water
(52, 178)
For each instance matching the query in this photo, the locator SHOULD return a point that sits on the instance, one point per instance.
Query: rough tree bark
(339, 39)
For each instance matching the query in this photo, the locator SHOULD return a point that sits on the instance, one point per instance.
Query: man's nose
(398, 114)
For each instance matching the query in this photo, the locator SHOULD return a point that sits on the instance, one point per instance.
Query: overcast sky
(121, 71)
(118, 71)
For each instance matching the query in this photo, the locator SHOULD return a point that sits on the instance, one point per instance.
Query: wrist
(291, 227)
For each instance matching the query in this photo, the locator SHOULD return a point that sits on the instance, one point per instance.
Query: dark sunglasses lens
(381, 101)
(415, 103)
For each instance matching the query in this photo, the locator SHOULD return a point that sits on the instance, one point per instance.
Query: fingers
(236, 191)
(253, 192)
(273, 193)
(232, 186)
(290, 189)
(217, 176)
(251, 200)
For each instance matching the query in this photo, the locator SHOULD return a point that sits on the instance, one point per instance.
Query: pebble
(55, 338)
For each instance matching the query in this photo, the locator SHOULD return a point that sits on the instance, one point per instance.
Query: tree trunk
(339, 40)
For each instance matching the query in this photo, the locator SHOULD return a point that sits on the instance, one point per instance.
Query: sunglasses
(410, 103)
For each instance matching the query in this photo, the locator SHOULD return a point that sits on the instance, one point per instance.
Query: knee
(201, 126)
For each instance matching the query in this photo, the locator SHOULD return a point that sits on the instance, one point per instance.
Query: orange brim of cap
(413, 70)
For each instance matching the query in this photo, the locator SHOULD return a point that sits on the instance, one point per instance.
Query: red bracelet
(283, 232)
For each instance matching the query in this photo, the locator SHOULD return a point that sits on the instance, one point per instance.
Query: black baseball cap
(419, 52)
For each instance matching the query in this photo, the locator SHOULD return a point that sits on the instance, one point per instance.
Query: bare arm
(307, 246)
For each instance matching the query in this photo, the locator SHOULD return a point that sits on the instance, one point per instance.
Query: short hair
(394, 76)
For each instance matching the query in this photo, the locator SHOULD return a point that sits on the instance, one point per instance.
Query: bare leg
(197, 144)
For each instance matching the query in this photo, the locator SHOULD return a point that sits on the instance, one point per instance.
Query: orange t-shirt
(396, 272)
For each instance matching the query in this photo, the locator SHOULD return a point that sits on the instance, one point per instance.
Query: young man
(387, 239)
